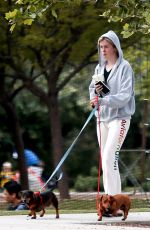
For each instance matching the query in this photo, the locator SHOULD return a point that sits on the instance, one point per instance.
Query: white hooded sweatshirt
(120, 102)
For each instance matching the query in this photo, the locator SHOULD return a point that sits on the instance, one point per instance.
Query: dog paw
(33, 217)
(99, 219)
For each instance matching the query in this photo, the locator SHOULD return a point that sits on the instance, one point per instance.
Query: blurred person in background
(35, 168)
(6, 174)
(11, 194)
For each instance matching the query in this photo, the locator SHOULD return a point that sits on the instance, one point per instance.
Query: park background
(48, 54)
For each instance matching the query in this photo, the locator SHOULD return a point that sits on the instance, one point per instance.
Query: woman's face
(107, 49)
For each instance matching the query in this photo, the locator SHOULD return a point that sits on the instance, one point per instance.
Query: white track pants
(112, 137)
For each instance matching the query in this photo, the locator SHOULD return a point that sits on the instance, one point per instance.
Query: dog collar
(38, 194)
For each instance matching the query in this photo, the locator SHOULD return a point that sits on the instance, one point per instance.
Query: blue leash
(69, 149)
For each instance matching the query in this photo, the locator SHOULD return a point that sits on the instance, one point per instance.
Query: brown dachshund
(112, 204)
(37, 202)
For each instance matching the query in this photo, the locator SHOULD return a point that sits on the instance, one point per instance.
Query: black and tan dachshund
(37, 202)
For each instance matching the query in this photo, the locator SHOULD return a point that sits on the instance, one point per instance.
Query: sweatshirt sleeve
(92, 86)
(92, 90)
(120, 99)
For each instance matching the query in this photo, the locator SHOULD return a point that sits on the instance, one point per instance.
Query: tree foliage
(132, 14)
(26, 11)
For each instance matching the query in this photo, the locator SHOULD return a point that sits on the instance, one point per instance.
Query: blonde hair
(110, 41)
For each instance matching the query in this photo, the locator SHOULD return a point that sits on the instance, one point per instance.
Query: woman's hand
(98, 88)
(94, 101)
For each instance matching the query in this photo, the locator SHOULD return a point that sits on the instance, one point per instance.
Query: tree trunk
(16, 132)
(56, 135)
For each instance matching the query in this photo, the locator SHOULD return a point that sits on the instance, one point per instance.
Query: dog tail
(52, 184)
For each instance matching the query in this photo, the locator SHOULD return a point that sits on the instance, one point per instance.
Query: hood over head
(114, 38)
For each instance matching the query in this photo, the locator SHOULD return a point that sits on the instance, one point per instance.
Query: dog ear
(111, 199)
(100, 198)
(20, 194)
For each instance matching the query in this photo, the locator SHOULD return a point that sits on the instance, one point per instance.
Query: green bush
(146, 186)
(94, 171)
(88, 183)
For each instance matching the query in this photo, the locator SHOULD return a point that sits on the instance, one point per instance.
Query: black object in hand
(105, 87)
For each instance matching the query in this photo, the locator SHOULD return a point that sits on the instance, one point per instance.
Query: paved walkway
(86, 221)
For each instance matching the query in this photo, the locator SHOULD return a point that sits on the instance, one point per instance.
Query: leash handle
(71, 147)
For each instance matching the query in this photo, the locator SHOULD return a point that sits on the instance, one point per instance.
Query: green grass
(78, 204)
(81, 206)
